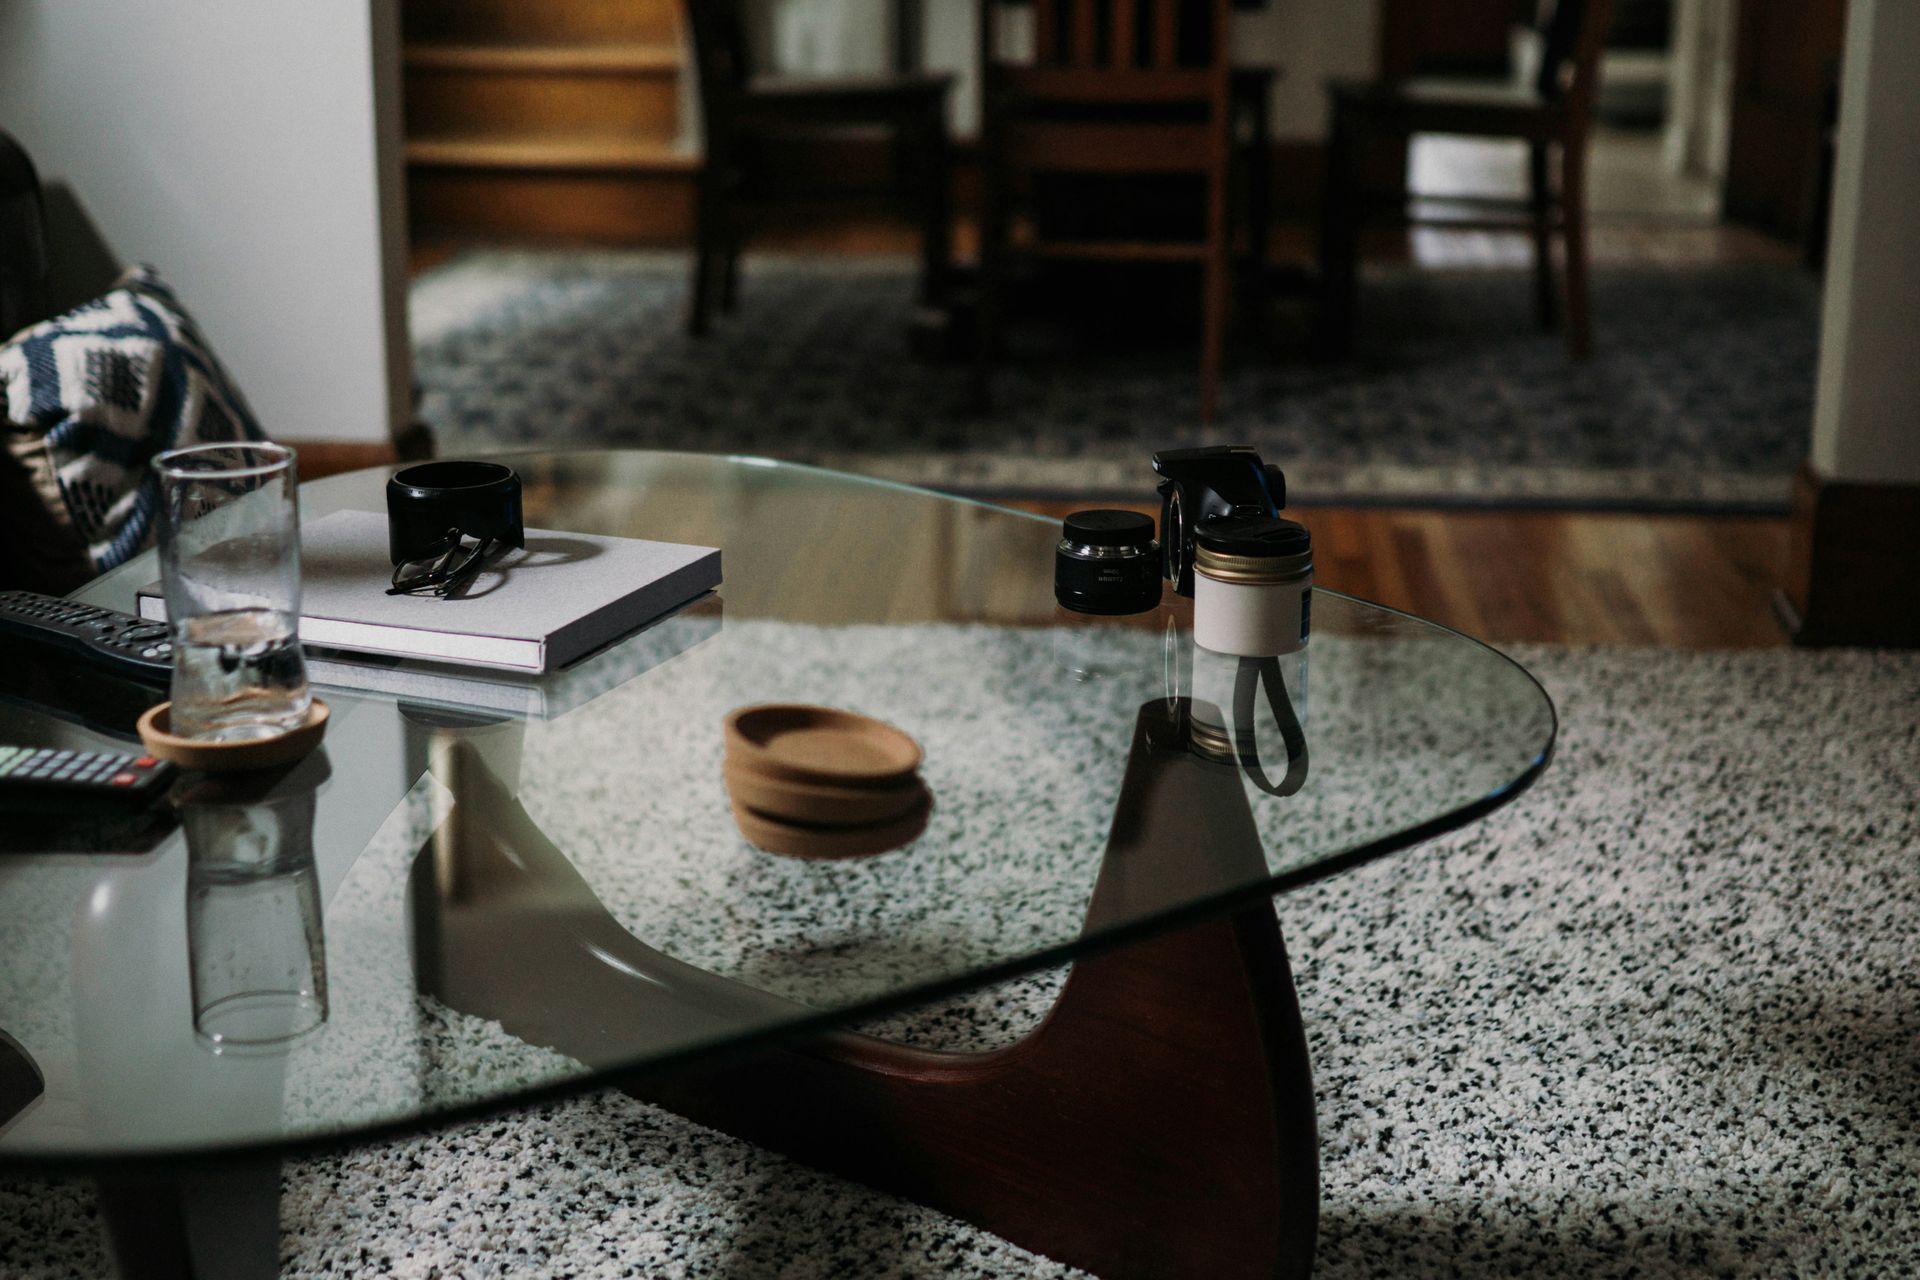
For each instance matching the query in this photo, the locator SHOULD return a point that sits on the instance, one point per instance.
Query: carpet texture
(1699, 394)
(1658, 1018)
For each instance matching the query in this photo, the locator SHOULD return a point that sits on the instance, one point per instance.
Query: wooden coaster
(231, 757)
(800, 840)
(817, 802)
(801, 743)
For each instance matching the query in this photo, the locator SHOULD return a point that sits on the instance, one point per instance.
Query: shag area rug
(1660, 1017)
(1699, 395)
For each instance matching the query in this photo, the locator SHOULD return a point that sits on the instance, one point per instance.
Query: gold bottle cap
(1259, 570)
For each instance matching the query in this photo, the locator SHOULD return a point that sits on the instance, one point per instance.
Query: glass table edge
(802, 1029)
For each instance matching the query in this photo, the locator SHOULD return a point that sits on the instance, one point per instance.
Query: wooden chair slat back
(1124, 34)
(1046, 29)
(1086, 26)
(1166, 33)
(1120, 50)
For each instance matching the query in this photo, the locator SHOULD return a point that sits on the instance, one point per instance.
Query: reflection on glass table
(257, 954)
(530, 888)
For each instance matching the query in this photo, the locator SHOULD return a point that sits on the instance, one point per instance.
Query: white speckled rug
(1659, 1018)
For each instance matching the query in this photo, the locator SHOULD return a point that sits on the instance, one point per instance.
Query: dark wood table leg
(202, 1222)
(1158, 1123)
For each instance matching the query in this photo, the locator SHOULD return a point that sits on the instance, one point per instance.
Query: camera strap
(1255, 672)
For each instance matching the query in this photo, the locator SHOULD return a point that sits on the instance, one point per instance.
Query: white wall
(235, 146)
(1700, 95)
(1311, 40)
(828, 37)
(1866, 420)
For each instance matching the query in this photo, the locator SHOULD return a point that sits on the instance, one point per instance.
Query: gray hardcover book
(531, 609)
(522, 694)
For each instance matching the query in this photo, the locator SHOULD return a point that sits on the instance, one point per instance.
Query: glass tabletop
(500, 889)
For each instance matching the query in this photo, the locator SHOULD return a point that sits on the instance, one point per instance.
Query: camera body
(1220, 481)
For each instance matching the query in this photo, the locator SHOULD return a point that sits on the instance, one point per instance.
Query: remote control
(44, 779)
(120, 641)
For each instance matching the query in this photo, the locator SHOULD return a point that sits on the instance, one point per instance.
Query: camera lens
(1107, 562)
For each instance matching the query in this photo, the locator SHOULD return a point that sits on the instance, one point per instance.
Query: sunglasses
(446, 574)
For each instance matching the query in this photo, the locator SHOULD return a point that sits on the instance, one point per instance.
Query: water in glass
(238, 675)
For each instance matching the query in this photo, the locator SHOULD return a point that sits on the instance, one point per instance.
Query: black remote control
(128, 645)
(44, 779)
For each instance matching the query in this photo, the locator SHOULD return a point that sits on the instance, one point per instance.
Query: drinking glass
(230, 569)
(256, 950)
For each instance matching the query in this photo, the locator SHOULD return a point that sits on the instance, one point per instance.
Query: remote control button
(145, 762)
(124, 779)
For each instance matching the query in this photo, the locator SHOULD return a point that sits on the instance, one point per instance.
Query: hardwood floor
(1579, 578)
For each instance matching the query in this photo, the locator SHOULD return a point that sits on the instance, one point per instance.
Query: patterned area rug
(1657, 1019)
(1699, 395)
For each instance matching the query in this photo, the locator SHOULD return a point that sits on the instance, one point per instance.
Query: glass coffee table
(491, 892)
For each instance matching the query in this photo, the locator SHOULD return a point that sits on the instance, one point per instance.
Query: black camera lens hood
(479, 500)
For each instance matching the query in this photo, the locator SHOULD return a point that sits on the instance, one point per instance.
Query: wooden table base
(1158, 1123)
(217, 1220)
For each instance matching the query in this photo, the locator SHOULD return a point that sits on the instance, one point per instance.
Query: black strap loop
(1246, 686)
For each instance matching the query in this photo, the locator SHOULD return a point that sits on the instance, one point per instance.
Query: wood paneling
(517, 102)
(560, 118)
(636, 157)
(1784, 61)
(1852, 575)
(609, 58)
(621, 206)
(543, 21)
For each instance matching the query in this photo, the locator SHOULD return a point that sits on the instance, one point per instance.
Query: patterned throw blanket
(91, 396)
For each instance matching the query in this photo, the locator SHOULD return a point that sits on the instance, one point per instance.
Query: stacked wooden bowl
(819, 782)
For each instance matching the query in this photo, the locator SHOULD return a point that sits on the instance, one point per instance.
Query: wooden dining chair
(1552, 114)
(752, 123)
(1132, 89)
